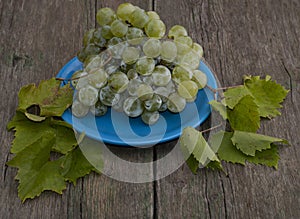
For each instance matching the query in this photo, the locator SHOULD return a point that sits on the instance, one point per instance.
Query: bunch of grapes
(131, 66)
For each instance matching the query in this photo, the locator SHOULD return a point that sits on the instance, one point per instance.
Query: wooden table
(239, 37)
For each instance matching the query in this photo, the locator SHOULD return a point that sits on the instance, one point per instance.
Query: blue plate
(116, 128)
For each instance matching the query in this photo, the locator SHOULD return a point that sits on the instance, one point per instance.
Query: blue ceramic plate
(116, 128)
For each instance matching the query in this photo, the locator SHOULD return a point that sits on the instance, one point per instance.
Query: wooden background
(37, 37)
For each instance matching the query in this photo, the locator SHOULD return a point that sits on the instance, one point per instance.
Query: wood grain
(239, 37)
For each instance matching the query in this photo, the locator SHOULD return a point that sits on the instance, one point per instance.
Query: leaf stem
(212, 128)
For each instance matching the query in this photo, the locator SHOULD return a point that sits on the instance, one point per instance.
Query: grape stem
(212, 128)
(71, 79)
(215, 90)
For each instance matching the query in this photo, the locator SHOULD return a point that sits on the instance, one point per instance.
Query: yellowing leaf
(249, 143)
(36, 173)
(244, 116)
(28, 132)
(52, 99)
(196, 149)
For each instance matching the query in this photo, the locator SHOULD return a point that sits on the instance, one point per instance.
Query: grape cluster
(130, 66)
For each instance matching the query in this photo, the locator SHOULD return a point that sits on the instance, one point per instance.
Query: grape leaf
(244, 116)
(75, 165)
(34, 117)
(28, 132)
(221, 108)
(234, 95)
(196, 149)
(229, 153)
(267, 95)
(249, 143)
(52, 99)
(36, 173)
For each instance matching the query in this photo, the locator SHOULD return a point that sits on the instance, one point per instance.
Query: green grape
(93, 63)
(124, 10)
(168, 51)
(118, 82)
(106, 32)
(152, 48)
(184, 44)
(190, 60)
(198, 49)
(145, 66)
(114, 41)
(138, 18)
(77, 76)
(130, 55)
(125, 67)
(119, 106)
(134, 35)
(88, 36)
(88, 95)
(187, 89)
(79, 110)
(199, 78)
(163, 107)
(82, 82)
(176, 103)
(177, 31)
(161, 75)
(191, 99)
(117, 50)
(153, 15)
(171, 87)
(147, 80)
(153, 104)
(105, 16)
(87, 51)
(133, 86)
(155, 28)
(144, 92)
(163, 92)
(99, 110)
(133, 107)
(119, 28)
(180, 74)
(132, 74)
(98, 78)
(108, 97)
(150, 117)
(98, 40)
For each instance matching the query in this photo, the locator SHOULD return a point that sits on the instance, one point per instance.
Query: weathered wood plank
(257, 38)
(37, 39)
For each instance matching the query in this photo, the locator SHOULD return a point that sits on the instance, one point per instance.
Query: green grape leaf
(268, 94)
(28, 132)
(234, 95)
(52, 99)
(269, 157)
(192, 163)
(244, 116)
(249, 143)
(75, 165)
(221, 108)
(196, 149)
(35, 172)
(229, 153)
